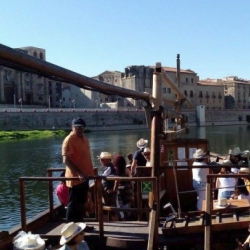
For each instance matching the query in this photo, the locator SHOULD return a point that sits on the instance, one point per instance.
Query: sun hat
(146, 150)
(78, 122)
(235, 151)
(105, 155)
(244, 170)
(142, 143)
(29, 242)
(199, 153)
(245, 154)
(226, 162)
(70, 230)
(235, 170)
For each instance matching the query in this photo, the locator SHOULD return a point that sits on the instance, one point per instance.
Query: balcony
(213, 96)
(201, 95)
(219, 96)
(207, 96)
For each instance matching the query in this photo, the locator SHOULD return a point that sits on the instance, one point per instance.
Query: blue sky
(89, 37)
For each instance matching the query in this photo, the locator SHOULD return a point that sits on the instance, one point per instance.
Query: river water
(32, 158)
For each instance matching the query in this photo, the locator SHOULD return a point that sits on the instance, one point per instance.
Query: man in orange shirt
(77, 158)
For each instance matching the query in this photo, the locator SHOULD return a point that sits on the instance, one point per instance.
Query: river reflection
(33, 157)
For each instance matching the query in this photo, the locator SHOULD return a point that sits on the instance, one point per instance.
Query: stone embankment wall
(99, 119)
(102, 119)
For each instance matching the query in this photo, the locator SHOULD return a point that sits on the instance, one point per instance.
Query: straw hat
(70, 230)
(235, 151)
(142, 143)
(146, 150)
(245, 154)
(226, 162)
(105, 155)
(199, 153)
(29, 242)
(244, 170)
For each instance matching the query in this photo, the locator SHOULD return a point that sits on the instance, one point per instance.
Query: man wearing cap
(77, 158)
(138, 158)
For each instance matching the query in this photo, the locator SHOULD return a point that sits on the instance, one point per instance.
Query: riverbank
(12, 135)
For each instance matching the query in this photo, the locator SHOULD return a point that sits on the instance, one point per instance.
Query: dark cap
(78, 122)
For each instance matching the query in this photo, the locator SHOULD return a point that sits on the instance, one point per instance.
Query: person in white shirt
(199, 176)
(146, 154)
(225, 185)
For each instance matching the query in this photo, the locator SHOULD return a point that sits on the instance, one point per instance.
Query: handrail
(98, 192)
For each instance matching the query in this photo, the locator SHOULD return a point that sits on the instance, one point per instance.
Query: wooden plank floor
(120, 234)
(134, 234)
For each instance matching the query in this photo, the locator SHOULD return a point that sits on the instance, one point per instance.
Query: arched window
(35, 54)
(41, 55)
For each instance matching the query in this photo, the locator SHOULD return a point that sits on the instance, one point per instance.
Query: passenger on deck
(226, 185)
(245, 170)
(240, 191)
(138, 158)
(234, 157)
(199, 176)
(146, 154)
(62, 191)
(246, 244)
(73, 237)
(109, 194)
(124, 188)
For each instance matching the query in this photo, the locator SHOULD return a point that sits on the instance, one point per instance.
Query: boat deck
(117, 235)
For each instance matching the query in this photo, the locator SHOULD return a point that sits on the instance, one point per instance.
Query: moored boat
(170, 172)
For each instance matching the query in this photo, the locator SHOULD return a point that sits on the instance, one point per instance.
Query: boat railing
(98, 191)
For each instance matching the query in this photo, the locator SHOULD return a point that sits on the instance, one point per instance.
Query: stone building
(237, 92)
(17, 86)
(210, 93)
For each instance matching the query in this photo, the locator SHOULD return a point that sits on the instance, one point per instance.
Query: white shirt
(226, 184)
(200, 174)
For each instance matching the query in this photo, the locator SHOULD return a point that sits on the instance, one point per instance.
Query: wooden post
(207, 237)
(100, 210)
(155, 147)
(51, 203)
(23, 208)
(151, 234)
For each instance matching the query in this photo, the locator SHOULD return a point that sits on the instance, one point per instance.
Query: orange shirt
(78, 151)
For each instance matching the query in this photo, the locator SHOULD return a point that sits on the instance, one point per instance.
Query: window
(192, 80)
(35, 54)
(200, 94)
(191, 93)
(41, 55)
(169, 91)
(186, 79)
(201, 101)
(185, 92)
(164, 90)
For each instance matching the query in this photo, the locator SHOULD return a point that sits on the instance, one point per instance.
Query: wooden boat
(170, 177)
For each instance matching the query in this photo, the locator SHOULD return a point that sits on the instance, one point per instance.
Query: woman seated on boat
(109, 194)
(234, 157)
(62, 191)
(240, 190)
(124, 188)
(72, 237)
(245, 170)
(226, 185)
